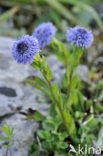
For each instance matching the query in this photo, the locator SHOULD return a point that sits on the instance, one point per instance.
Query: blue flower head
(44, 33)
(80, 37)
(25, 49)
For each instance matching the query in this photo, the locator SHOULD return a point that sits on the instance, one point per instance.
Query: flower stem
(60, 110)
(69, 84)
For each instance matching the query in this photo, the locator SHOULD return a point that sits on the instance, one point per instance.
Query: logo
(84, 150)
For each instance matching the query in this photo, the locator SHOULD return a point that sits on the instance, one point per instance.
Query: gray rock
(9, 100)
(8, 105)
(83, 72)
(30, 100)
(56, 67)
(24, 135)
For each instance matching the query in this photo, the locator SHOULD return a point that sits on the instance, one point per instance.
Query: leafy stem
(69, 84)
(9, 132)
(60, 110)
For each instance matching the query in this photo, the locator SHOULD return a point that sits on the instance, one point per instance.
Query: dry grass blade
(86, 7)
(62, 10)
(8, 14)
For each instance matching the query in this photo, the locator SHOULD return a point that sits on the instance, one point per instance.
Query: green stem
(60, 110)
(69, 84)
(75, 59)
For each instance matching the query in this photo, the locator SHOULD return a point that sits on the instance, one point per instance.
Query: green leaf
(73, 100)
(37, 62)
(62, 145)
(48, 125)
(53, 111)
(55, 90)
(37, 116)
(4, 138)
(65, 80)
(57, 122)
(60, 51)
(39, 86)
(40, 82)
(49, 73)
(44, 134)
(81, 98)
(8, 145)
(79, 115)
(63, 136)
(45, 69)
(6, 129)
(74, 82)
(10, 134)
(88, 104)
(52, 123)
(61, 98)
(70, 123)
(44, 63)
(98, 107)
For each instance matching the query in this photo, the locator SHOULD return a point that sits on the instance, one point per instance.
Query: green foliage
(9, 132)
(49, 139)
(36, 116)
(43, 66)
(72, 119)
(60, 51)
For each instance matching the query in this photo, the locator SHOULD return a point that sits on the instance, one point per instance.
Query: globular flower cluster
(80, 37)
(25, 49)
(44, 33)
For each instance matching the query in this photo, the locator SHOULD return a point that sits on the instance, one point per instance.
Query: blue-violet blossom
(25, 49)
(44, 33)
(80, 37)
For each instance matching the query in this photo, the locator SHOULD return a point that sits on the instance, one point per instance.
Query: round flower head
(25, 49)
(44, 33)
(80, 36)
